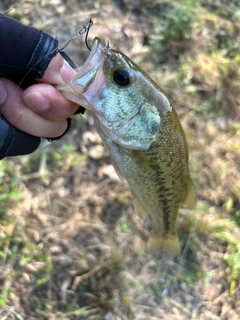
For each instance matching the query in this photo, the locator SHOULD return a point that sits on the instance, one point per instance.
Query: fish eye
(122, 77)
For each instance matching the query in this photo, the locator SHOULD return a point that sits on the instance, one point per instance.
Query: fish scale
(143, 134)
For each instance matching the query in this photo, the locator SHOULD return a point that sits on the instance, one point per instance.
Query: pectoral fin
(190, 199)
(118, 171)
(168, 243)
(141, 211)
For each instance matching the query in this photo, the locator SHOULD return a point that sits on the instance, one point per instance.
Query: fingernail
(37, 101)
(66, 72)
(3, 93)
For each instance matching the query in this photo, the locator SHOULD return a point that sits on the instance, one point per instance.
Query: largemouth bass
(143, 134)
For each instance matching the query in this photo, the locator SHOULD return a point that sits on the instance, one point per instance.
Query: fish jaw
(80, 89)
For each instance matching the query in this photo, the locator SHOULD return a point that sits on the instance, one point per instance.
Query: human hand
(40, 110)
(29, 68)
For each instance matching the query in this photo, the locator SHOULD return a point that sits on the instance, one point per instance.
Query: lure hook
(86, 29)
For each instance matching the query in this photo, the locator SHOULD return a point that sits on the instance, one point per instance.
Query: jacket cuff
(14, 142)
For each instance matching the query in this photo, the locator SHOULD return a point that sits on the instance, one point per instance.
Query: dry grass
(71, 244)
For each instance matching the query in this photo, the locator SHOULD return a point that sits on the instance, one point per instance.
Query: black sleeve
(14, 142)
(25, 52)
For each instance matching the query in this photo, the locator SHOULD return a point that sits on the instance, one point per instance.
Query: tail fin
(168, 243)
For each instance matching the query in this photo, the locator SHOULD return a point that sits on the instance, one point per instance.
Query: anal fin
(190, 199)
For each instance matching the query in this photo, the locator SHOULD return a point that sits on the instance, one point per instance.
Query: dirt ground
(76, 247)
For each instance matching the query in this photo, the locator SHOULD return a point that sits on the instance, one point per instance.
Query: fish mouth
(80, 88)
(87, 72)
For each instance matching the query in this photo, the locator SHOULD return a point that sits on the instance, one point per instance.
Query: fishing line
(6, 12)
(85, 29)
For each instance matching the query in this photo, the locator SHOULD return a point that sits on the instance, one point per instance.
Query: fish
(142, 132)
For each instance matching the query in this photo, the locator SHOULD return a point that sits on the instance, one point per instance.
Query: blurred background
(71, 245)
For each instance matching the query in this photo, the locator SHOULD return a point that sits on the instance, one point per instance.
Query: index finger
(58, 71)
